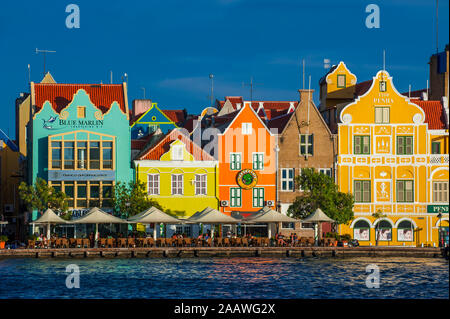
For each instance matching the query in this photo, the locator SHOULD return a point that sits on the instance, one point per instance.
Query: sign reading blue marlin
(50, 120)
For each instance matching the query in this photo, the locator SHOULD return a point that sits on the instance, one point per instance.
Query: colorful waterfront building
(179, 175)
(393, 157)
(247, 163)
(79, 141)
(304, 141)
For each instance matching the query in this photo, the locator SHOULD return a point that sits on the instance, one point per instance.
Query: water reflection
(224, 278)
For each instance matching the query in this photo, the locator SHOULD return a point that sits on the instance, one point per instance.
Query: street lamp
(439, 216)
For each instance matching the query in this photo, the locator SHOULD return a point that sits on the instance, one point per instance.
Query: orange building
(247, 164)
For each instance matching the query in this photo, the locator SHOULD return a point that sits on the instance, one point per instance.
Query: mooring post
(165, 253)
(288, 253)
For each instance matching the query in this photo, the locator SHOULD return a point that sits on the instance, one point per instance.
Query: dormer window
(177, 152)
(246, 128)
(81, 112)
(341, 81)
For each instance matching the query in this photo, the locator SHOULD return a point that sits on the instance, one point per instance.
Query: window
(341, 81)
(94, 155)
(382, 86)
(383, 231)
(405, 191)
(235, 161)
(81, 112)
(153, 184)
(326, 171)
(362, 191)
(69, 189)
(435, 148)
(287, 225)
(177, 152)
(440, 192)
(405, 231)
(287, 179)
(235, 197)
(404, 145)
(200, 184)
(177, 184)
(258, 161)
(69, 155)
(107, 155)
(361, 144)
(81, 155)
(84, 194)
(258, 197)
(81, 194)
(306, 144)
(56, 155)
(94, 194)
(184, 230)
(246, 128)
(361, 230)
(307, 225)
(381, 115)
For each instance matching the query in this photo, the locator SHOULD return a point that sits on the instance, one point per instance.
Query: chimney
(304, 94)
(425, 96)
(140, 106)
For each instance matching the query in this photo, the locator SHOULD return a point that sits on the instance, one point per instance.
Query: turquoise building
(78, 139)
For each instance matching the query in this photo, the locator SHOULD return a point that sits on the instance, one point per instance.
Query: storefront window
(82, 155)
(107, 155)
(384, 231)
(361, 230)
(69, 155)
(405, 231)
(56, 154)
(94, 155)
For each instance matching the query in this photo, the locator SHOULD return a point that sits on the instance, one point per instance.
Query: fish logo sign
(49, 121)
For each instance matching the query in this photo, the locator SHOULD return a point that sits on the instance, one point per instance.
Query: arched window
(361, 230)
(384, 230)
(405, 231)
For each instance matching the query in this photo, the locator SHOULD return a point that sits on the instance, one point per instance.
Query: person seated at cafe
(174, 236)
(206, 236)
(228, 234)
(200, 236)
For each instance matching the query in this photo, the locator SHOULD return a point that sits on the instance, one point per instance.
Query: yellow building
(180, 176)
(393, 157)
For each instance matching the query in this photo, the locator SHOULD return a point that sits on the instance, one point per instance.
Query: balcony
(439, 159)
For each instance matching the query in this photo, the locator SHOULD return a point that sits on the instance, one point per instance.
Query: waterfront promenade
(158, 252)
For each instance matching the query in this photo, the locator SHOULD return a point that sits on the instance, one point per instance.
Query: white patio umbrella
(317, 217)
(48, 218)
(154, 216)
(269, 216)
(97, 216)
(211, 216)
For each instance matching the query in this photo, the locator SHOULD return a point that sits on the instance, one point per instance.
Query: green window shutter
(311, 144)
(409, 145)
(400, 148)
(366, 145)
(357, 145)
(357, 191)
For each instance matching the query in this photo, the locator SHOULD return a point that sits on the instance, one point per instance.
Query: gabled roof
(280, 122)
(162, 146)
(176, 116)
(434, 114)
(60, 95)
(267, 105)
(11, 144)
(362, 87)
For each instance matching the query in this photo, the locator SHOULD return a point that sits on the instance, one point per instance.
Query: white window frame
(155, 190)
(307, 144)
(179, 186)
(382, 115)
(234, 199)
(232, 163)
(325, 170)
(246, 128)
(259, 155)
(440, 192)
(287, 179)
(199, 189)
(177, 152)
(260, 202)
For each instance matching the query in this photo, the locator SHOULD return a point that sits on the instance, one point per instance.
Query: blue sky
(170, 47)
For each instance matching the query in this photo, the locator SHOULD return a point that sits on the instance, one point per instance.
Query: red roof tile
(434, 114)
(60, 95)
(163, 146)
(362, 87)
(177, 116)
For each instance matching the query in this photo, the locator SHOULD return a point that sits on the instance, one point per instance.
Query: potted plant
(345, 239)
(3, 240)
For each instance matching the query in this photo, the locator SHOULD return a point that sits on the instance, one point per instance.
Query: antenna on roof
(251, 84)
(437, 28)
(211, 76)
(111, 76)
(44, 53)
(143, 89)
(29, 73)
(409, 92)
(303, 74)
(427, 88)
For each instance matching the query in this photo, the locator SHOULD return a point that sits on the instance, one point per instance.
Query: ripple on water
(225, 278)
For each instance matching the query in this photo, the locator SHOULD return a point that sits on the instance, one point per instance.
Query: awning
(267, 215)
(153, 215)
(97, 216)
(49, 217)
(318, 217)
(211, 216)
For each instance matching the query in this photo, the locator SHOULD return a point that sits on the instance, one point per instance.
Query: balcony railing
(439, 159)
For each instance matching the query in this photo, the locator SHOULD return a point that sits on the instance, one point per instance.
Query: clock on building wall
(247, 179)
